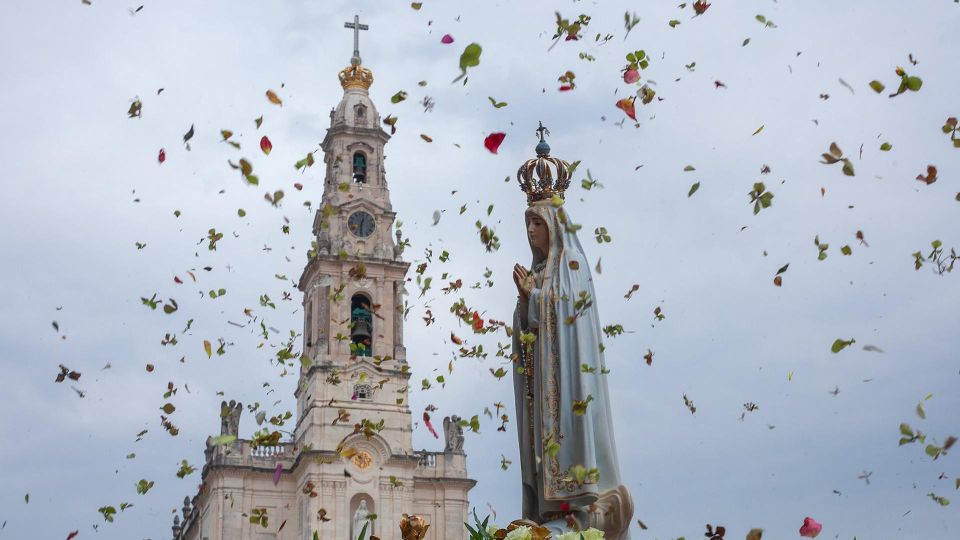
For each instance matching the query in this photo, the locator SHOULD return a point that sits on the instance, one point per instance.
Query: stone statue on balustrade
(230, 417)
(568, 458)
(453, 434)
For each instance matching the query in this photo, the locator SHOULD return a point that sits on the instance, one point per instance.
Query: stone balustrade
(440, 465)
(242, 452)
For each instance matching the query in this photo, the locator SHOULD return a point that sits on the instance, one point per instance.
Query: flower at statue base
(589, 534)
(810, 528)
(413, 527)
(520, 533)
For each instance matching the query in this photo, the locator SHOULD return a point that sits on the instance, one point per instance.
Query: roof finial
(543, 149)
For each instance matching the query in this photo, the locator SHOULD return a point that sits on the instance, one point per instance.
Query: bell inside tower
(359, 167)
(361, 326)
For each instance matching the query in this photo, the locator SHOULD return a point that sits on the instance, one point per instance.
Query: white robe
(554, 441)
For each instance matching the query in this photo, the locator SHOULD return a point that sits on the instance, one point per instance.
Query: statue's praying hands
(520, 276)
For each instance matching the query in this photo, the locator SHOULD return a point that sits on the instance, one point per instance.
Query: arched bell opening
(361, 325)
(359, 167)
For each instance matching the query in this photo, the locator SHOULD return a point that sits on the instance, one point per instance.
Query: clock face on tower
(361, 224)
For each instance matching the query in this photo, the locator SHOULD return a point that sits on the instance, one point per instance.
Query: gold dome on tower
(356, 76)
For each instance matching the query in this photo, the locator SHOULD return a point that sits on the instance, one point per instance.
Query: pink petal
(276, 473)
(493, 140)
(810, 528)
(446, 39)
(631, 76)
(162, 156)
(426, 422)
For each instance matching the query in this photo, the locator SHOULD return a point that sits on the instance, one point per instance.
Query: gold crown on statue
(356, 76)
(543, 177)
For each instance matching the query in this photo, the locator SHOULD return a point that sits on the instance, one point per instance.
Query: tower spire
(356, 27)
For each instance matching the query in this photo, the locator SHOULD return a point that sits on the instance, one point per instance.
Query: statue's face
(538, 233)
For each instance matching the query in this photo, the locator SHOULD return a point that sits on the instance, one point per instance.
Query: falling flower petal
(265, 145)
(631, 76)
(426, 422)
(162, 156)
(272, 96)
(446, 39)
(626, 105)
(810, 528)
(276, 473)
(493, 140)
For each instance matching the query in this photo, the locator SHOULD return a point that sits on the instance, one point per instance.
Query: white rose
(492, 530)
(589, 534)
(592, 534)
(520, 533)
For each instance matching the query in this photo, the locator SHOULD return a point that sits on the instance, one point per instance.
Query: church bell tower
(350, 465)
(353, 284)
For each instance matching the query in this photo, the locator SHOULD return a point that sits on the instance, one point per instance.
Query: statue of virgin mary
(568, 458)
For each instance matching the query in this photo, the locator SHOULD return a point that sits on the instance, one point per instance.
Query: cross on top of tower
(356, 27)
(541, 131)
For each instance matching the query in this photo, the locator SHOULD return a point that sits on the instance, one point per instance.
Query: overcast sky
(82, 186)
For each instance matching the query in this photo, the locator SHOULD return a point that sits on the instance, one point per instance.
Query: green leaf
(846, 250)
(580, 407)
(222, 440)
(143, 486)
(847, 167)
(497, 104)
(168, 408)
(841, 344)
(877, 86)
(693, 189)
(905, 429)
(469, 58)
(108, 512)
(398, 97)
(886, 147)
(673, 23)
(688, 168)
(914, 83)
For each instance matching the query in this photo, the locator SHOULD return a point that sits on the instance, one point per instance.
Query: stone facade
(353, 288)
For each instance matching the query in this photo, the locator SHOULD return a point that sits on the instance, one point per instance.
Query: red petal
(298, 185)
(177, 280)
(566, 88)
(446, 39)
(626, 105)
(493, 140)
(265, 145)
(162, 156)
(72, 535)
(631, 76)
(426, 421)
